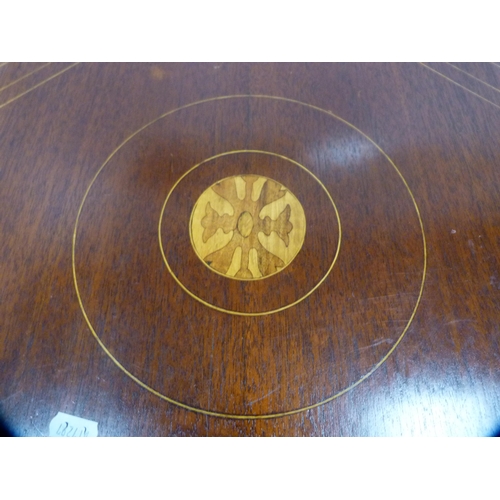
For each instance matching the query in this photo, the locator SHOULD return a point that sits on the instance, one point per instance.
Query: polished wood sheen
(251, 249)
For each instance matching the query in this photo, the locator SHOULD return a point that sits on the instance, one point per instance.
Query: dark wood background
(356, 127)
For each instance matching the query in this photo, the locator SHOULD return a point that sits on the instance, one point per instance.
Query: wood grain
(383, 323)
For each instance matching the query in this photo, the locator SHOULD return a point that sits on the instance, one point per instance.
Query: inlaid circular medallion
(247, 227)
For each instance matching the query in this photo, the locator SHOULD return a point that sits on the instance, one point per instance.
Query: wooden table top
(251, 249)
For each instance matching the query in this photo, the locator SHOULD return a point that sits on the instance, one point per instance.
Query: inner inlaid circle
(247, 227)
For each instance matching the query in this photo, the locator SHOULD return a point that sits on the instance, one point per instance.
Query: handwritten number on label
(66, 430)
(65, 425)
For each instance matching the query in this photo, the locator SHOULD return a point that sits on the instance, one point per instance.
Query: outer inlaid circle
(247, 227)
(111, 343)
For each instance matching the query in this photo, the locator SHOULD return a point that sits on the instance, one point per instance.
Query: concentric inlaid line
(241, 313)
(252, 416)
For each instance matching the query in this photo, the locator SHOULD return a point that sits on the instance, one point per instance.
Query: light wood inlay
(247, 227)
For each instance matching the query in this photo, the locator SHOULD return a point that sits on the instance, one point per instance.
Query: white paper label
(64, 425)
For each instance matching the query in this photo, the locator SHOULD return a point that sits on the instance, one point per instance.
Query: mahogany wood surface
(386, 321)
